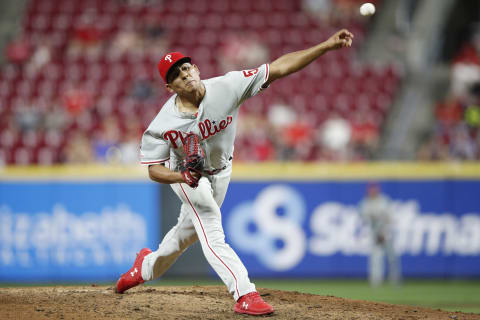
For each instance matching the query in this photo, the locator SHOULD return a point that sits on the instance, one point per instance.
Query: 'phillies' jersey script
(215, 121)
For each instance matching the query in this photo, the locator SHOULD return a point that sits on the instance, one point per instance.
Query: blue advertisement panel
(57, 230)
(315, 228)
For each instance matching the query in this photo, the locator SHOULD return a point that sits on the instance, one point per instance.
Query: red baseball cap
(168, 61)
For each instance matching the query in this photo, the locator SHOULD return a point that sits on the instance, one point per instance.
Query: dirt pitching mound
(206, 302)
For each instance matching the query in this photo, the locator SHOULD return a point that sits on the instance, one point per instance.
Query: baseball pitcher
(189, 145)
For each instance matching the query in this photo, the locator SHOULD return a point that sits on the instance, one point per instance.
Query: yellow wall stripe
(262, 171)
(354, 171)
(74, 172)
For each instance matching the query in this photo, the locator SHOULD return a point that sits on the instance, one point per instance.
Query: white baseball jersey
(200, 216)
(215, 121)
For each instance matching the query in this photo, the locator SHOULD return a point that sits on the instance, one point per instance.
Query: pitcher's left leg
(206, 217)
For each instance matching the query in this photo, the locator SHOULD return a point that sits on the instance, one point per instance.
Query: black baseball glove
(194, 162)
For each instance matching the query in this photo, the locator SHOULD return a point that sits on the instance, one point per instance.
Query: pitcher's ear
(169, 89)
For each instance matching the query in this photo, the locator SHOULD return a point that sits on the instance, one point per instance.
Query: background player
(208, 108)
(376, 212)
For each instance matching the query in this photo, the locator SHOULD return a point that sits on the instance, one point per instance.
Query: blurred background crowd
(78, 79)
(456, 133)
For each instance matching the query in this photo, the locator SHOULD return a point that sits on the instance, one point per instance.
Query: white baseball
(367, 9)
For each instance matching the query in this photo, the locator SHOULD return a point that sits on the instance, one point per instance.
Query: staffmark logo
(276, 217)
(274, 227)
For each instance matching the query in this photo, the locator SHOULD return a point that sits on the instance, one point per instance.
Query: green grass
(458, 295)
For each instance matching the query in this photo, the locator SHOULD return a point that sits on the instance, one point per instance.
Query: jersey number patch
(249, 73)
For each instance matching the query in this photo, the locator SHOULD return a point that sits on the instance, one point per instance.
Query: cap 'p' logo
(168, 57)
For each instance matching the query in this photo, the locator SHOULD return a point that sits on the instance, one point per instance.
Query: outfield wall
(284, 220)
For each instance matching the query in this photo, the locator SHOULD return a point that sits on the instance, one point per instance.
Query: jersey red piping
(153, 162)
(206, 240)
(267, 73)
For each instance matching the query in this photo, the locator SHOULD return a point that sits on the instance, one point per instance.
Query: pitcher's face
(184, 80)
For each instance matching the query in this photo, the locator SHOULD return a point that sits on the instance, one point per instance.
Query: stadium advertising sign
(54, 231)
(315, 229)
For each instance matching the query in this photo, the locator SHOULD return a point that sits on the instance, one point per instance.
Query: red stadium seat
(331, 84)
(22, 156)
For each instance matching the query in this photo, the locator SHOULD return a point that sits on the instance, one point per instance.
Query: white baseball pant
(200, 219)
(377, 264)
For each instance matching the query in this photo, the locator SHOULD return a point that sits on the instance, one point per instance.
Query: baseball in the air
(367, 9)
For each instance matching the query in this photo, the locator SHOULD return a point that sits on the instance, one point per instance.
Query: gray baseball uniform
(200, 216)
(377, 213)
